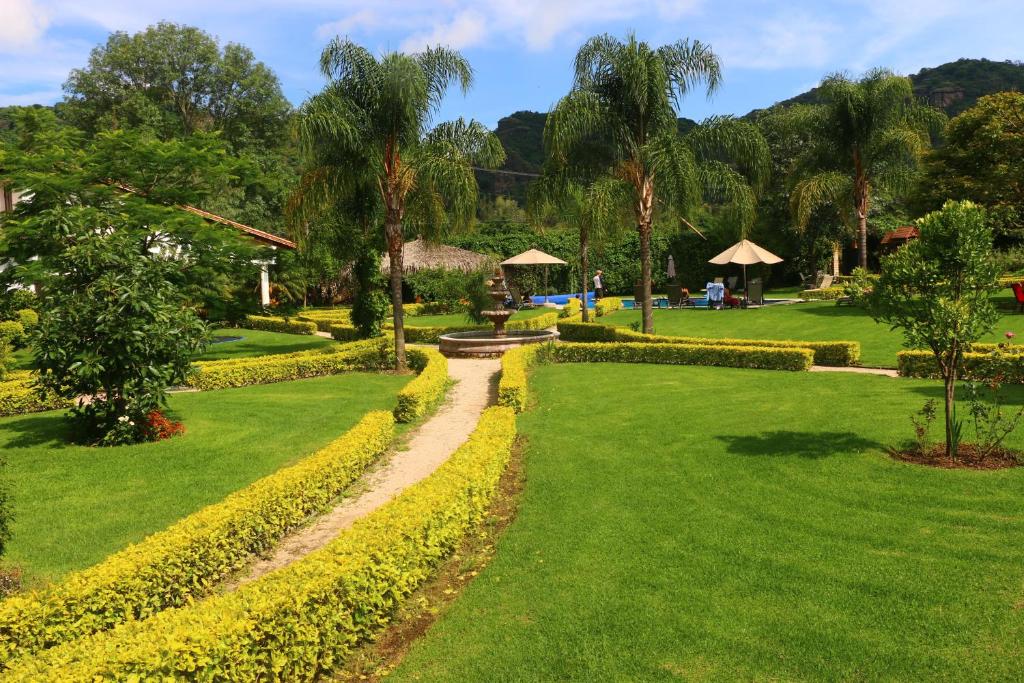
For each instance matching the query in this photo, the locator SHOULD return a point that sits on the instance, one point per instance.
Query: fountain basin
(488, 344)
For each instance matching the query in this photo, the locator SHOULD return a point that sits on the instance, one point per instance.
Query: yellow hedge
(607, 305)
(18, 396)
(427, 389)
(284, 325)
(325, 318)
(833, 353)
(421, 334)
(305, 619)
(173, 567)
(240, 372)
(512, 387)
(571, 308)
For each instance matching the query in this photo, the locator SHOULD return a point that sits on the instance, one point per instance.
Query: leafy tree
(982, 160)
(623, 100)
(370, 127)
(868, 136)
(136, 179)
(937, 290)
(113, 327)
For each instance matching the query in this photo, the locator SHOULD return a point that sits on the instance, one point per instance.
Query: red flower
(158, 427)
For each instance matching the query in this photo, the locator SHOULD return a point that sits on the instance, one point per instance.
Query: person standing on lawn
(599, 285)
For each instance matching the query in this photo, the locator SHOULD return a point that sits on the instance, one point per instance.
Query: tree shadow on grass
(814, 445)
(1012, 395)
(37, 430)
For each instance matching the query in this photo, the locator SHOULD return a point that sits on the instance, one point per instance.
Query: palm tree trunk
(585, 268)
(645, 216)
(396, 243)
(862, 193)
(862, 239)
(835, 257)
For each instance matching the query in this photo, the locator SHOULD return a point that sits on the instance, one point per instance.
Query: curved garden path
(427, 447)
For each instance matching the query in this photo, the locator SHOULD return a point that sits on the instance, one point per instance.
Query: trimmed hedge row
(417, 334)
(827, 294)
(239, 372)
(512, 387)
(609, 304)
(425, 391)
(832, 353)
(572, 307)
(174, 566)
(18, 396)
(1009, 367)
(268, 323)
(324, 319)
(305, 619)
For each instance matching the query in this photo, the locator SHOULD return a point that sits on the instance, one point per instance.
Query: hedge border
(172, 567)
(830, 353)
(417, 334)
(268, 323)
(304, 619)
(424, 392)
(18, 396)
(975, 366)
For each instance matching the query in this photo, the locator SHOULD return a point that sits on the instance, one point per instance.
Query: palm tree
(868, 135)
(370, 127)
(624, 99)
(594, 209)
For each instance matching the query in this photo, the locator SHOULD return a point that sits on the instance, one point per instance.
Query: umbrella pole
(746, 290)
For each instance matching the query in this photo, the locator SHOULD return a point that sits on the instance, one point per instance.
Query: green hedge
(1009, 367)
(369, 354)
(512, 387)
(417, 334)
(285, 325)
(758, 357)
(832, 353)
(18, 396)
(305, 619)
(827, 294)
(425, 391)
(10, 331)
(572, 307)
(173, 567)
(325, 318)
(607, 305)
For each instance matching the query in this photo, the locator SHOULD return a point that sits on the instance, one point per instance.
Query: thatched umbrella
(423, 255)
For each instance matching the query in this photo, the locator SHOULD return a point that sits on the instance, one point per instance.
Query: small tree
(115, 329)
(937, 290)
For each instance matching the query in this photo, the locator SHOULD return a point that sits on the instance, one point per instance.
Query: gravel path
(885, 372)
(428, 447)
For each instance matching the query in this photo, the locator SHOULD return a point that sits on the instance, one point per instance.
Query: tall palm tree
(371, 126)
(593, 207)
(624, 97)
(868, 135)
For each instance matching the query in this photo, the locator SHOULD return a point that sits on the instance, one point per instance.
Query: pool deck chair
(826, 282)
(755, 292)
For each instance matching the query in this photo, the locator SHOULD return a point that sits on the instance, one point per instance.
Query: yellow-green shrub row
(174, 566)
(239, 372)
(18, 396)
(832, 353)
(425, 391)
(571, 308)
(285, 325)
(512, 387)
(325, 318)
(305, 619)
(827, 294)
(755, 357)
(607, 305)
(1009, 367)
(418, 334)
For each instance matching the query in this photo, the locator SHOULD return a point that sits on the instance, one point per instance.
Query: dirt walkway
(429, 446)
(885, 372)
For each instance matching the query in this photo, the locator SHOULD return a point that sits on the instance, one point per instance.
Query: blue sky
(522, 50)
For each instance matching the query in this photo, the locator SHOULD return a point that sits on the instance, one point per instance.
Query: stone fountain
(487, 344)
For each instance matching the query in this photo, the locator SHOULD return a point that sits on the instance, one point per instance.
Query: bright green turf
(259, 343)
(806, 322)
(719, 524)
(74, 505)
(457, 319)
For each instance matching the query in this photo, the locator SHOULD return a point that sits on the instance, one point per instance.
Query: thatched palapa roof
(422, 255)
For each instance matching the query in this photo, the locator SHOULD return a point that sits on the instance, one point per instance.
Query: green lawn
(806, 322)
(457, 319)
(74, 505)
(259, 343)
(718, 524)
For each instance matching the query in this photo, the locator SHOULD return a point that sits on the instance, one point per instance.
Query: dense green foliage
(982, 160)
(736, 524)
(113, 328)
(937, 289)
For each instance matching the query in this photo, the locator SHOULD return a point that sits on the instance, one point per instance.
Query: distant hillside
(522, 135)
(954, 86)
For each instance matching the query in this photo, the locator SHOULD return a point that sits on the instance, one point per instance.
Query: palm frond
(443, 67)
(724, 138)
(690, 63)
(829, 189)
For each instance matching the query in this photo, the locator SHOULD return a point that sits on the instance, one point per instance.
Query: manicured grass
(717, 524)
(458, 319)
(259, 343)
(74, 505)
(816, 321)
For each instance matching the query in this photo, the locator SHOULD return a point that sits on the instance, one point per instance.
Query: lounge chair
(520, 301)
(755, 292)
(826, 282)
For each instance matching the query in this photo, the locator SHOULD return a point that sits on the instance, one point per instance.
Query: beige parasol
(745, 253)
(535, 257)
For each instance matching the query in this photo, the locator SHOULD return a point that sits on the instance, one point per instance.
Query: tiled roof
(904, 233)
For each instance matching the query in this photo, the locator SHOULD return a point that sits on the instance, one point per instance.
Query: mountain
(953, 87)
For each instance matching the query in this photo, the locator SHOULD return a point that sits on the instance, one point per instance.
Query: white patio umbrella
(535, 257)
(745, 253)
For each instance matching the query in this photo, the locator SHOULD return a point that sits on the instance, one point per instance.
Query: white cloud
(467, 29)
(22, 24)
(778, 42)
